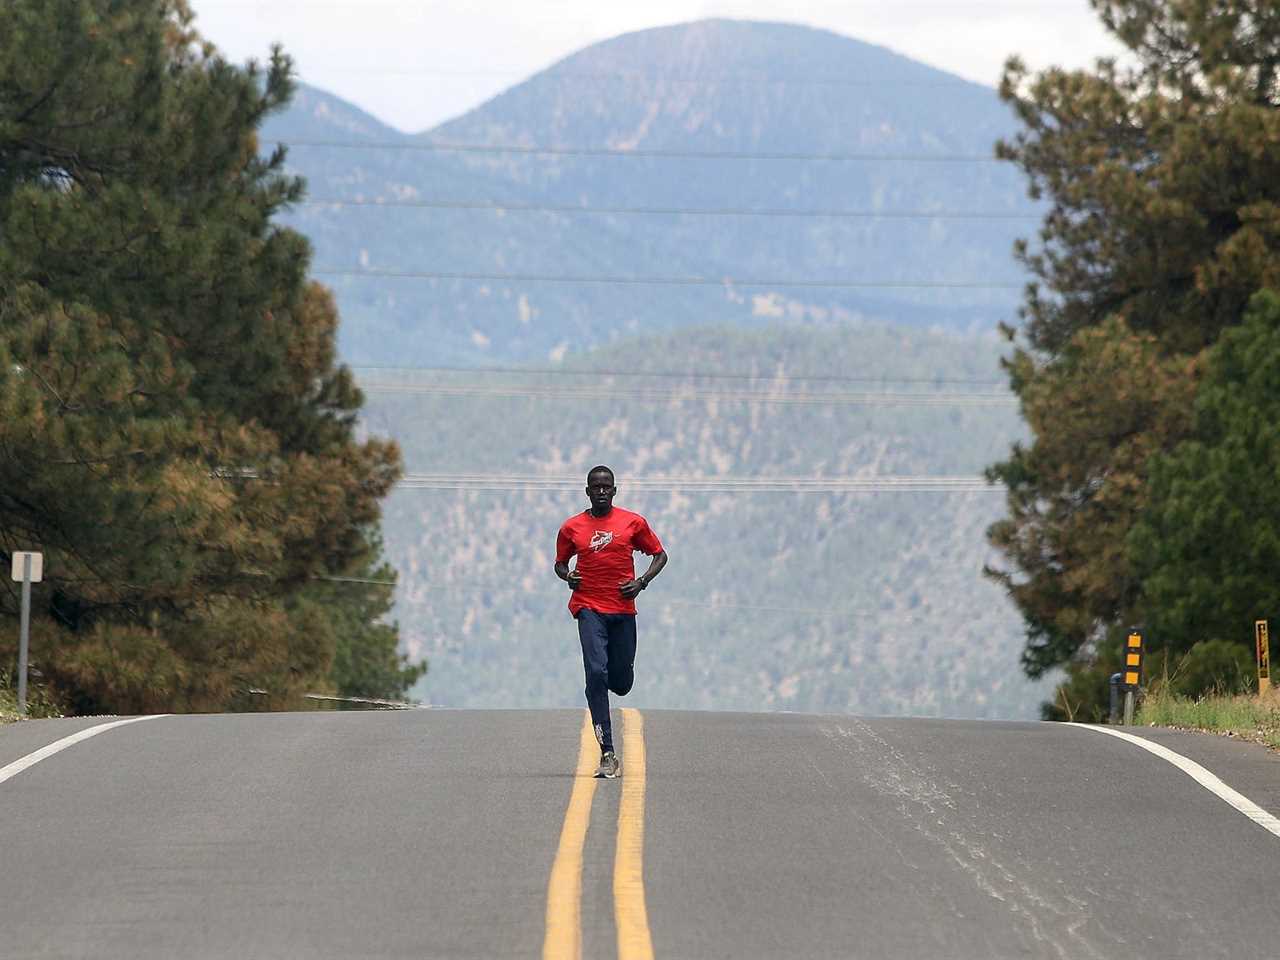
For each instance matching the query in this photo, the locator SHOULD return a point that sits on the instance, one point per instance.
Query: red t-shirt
(603, 546)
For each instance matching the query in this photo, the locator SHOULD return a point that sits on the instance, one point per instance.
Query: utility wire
(355, 580)
(876, 5)
(812, 612)
(675, 211)
(880, 484)
(678, 374)
(682, 484)
(669, 395)
(705, 80)
(517, 149)
(667, 281)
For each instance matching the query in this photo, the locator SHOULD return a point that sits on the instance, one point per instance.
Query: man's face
(600, 490)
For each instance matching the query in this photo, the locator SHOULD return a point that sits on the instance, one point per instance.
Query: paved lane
(308, 835)
(432, 834)
(842, 837)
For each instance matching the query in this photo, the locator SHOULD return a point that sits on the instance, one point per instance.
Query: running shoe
(610, 766)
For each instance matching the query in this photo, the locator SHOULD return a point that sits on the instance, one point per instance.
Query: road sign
(28, 567)
(1264, 655)
(20, 564)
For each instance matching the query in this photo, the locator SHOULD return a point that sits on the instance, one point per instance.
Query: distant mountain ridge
(700, 90)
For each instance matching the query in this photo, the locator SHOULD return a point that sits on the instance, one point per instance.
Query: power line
(813, 612)
(445, 147)
(348, 6)
(679, 374)
(561, 76)
(505, 483)
(667, 281)
(685, 484)
(670, 395)
(491, 482)
(390, 583)
(675, 211)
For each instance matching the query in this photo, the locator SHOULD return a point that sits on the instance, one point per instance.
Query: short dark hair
(601, 468)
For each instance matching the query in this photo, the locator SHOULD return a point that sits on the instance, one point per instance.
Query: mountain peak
(775, 182)
(748, 51)
(737, 85)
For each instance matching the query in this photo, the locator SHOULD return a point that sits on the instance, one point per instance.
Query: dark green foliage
(1208, 544)
(1085, 695)
(367, 662)
(1214, 667)
(174, 434)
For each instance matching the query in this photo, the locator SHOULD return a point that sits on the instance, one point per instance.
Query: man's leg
(594, 636)
(622, 653)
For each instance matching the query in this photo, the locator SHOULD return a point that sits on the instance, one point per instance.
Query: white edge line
(1197, 773)
(11, 770)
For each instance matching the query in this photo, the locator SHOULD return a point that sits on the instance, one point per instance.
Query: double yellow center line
(564, 892)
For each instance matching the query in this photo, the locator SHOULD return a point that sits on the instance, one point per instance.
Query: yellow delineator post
(1132, 672)
(1264, 655)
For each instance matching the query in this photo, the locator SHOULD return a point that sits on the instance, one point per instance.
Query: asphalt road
(433, 834)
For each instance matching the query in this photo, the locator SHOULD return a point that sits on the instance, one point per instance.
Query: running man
(605, 587)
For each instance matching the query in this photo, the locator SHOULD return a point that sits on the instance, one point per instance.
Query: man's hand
(572, 577)
(631, 588)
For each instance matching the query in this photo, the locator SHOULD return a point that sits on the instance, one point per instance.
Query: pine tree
(1107, 403)
(1164, 188)
(174, 433)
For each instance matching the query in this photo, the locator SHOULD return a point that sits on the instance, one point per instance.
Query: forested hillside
(867, 602)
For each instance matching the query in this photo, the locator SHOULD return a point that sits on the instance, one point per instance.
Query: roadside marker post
(1133, 651)
(31, 566)
(1264, 655)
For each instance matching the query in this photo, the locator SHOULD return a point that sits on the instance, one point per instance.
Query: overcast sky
(415, 63)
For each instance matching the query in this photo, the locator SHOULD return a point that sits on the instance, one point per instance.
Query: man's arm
(631, 589)
(572, 577)
(564, 549)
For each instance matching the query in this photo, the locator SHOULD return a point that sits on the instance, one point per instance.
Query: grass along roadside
(39, 703)
(1250, 717)
(8, 706)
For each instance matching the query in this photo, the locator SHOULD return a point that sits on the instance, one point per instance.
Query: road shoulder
(27, 736)
(1250, 768)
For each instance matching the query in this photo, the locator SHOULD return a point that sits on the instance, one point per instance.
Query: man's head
(601, 488)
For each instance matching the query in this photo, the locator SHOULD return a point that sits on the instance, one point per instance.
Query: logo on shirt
(601, 539)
